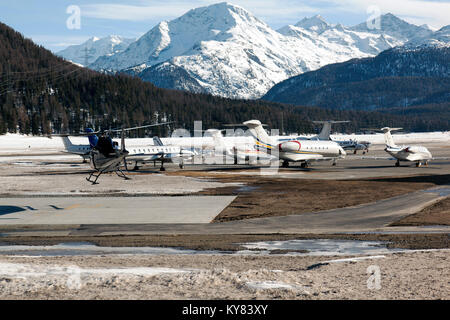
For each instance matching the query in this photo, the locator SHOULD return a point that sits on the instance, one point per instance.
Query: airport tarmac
(50, 191)
(45, 200)
(118, 210)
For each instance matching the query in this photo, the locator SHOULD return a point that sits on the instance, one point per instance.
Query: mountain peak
(94, 48)
(222, 12)
(395, 27)
(316, 23)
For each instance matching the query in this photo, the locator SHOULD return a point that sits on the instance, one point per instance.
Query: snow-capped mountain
(440, 38)
(399, 77)
(224, 47)
(224, 50)
(396, 28)
(95, 48)
(316, 24)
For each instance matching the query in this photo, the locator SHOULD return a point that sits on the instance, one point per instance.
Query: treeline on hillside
(41, 93)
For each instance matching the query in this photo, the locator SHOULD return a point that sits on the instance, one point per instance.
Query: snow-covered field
(415, 275)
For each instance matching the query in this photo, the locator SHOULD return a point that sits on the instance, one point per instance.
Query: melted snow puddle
(290, 247)
(319, 247)
(267, 285)
(84, 248)
(24, 271)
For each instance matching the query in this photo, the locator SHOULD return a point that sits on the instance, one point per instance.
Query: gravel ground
(412, 275)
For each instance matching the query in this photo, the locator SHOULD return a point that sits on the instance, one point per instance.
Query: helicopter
(104, 154)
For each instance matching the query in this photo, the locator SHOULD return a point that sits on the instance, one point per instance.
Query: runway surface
(373, 217)
(109, 210)
(143, 205)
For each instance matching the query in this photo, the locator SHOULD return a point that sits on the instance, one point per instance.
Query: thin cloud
(132, 12)
(151, 10)
(434, 13)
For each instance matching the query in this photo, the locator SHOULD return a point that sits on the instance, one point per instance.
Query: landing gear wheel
(285, 164)
(418, 164)
(304, 165)
(397, 164)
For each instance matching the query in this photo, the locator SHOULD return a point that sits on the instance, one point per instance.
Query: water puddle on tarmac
(291, 247)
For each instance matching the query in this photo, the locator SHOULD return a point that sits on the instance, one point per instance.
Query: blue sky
(44, 21)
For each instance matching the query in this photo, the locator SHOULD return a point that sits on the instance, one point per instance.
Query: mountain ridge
(231, 53)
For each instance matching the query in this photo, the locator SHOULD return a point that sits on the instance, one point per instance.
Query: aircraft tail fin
(157, 141)
(388, 137)
(68, 145)
(326, 129)
(257, 131)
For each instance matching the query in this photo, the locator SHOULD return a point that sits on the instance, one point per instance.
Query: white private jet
(418, 154)
(352, 145)
(240, 150)
(303, 151)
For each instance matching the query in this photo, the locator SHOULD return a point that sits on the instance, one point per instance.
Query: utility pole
(87, 55)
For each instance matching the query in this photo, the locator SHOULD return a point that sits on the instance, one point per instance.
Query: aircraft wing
(372, 158)
(295, 157)
(77, 153)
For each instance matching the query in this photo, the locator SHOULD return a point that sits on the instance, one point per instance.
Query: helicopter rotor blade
(140, 127)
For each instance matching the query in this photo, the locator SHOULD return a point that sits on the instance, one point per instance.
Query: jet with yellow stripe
(303, 151)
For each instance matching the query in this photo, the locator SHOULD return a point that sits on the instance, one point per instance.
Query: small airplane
(418, 154)
(294, 150)
(158, 152)
(83, 150)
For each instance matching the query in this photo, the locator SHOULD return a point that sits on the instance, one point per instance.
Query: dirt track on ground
(268, 197)
(436, 214)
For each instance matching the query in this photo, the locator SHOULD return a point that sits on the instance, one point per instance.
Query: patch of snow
(322, 247)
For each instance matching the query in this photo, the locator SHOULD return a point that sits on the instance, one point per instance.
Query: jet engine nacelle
(412, 149)
(290, 146)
